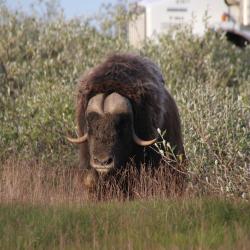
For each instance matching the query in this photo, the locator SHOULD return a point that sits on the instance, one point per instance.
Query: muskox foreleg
(90, 176)
(90, 180)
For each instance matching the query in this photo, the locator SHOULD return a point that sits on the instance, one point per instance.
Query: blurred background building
(154, 17)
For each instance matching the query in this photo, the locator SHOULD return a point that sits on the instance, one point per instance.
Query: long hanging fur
(141, 81)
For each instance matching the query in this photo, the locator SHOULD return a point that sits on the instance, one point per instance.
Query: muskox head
(110, 132)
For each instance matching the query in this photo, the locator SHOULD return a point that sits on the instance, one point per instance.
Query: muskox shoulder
(128, 74)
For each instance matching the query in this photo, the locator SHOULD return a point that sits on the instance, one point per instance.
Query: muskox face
(110, 132)
(110, 140)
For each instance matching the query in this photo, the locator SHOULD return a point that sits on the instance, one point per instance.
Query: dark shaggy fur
(141, 81)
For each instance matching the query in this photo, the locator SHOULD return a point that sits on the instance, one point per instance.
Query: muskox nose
(103, 161)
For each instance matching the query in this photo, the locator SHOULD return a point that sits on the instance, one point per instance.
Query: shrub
(41, 59)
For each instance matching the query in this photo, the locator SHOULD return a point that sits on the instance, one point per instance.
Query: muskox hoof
(90, 179)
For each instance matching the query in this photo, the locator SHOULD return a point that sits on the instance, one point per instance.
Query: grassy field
(47, 208)
(165, 224)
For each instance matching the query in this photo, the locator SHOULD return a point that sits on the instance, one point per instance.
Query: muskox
(121, 103)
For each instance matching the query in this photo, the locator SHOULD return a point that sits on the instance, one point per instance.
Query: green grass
(171, 224)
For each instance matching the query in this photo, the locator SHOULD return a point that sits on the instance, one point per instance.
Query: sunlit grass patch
(172, 224)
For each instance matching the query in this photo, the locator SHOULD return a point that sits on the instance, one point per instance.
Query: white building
(160, 16)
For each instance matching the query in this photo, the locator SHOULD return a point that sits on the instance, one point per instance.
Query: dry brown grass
(23, 181)
(47, 207)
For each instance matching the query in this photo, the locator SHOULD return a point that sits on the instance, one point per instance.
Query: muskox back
(140, 81)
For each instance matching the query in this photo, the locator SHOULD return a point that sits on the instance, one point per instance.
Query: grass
(36, 183)
(171, 224)
(47, 208)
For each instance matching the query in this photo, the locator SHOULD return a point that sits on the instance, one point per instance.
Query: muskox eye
(122, 123)
(92, 116)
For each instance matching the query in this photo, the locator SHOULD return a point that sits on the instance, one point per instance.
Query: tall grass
(38, 183)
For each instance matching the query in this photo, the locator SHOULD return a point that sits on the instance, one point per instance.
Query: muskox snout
(103, 161)
(102, 164)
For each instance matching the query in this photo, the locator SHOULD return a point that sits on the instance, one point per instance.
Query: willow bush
(41, 59)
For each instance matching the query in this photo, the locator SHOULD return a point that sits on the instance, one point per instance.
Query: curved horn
(78, 140)
(117, 104)
(141, 142)
(95, 104)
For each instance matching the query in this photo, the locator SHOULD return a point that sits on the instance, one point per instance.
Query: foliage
(41, 59)
(40, 62)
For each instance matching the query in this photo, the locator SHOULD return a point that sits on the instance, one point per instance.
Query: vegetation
(42, 57)
(172, 224)
(43, 204)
